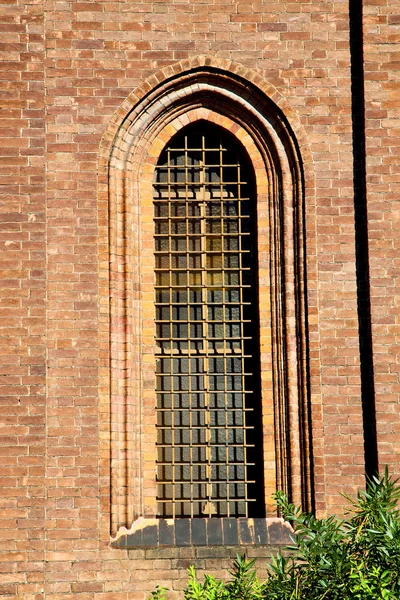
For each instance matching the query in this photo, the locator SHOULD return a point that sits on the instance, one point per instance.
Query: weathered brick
(54, 226)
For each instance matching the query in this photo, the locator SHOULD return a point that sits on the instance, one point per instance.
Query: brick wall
(22, 299)
(381, 31)
(62, 79)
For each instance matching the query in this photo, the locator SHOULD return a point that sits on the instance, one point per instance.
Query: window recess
(207, 332)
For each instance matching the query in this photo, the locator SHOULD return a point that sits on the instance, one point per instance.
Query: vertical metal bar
(242, 335)
(171, 334)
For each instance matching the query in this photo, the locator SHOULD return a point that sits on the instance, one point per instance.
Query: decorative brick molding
(158, 533)
(242, 102)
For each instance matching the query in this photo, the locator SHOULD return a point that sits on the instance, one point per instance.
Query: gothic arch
(239, 100)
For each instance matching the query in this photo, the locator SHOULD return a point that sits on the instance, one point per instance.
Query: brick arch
(240, 101)
(181, 70)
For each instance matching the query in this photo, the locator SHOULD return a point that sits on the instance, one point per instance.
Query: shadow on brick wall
(361, 238)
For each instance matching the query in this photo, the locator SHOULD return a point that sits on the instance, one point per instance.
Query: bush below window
(355, 558)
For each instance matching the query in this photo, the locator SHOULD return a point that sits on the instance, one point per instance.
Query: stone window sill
(161, 533)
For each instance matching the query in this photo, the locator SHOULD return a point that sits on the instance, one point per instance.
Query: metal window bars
(207, 341)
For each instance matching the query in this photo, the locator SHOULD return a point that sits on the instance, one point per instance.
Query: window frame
(243, 496)
(147, 270)
(131, 148)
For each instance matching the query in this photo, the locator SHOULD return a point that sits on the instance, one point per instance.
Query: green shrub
(355, 558)
(243, 585)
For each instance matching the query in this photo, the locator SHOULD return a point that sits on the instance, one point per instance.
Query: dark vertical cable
(361, 237)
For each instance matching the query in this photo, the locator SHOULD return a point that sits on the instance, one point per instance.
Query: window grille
(207, 333)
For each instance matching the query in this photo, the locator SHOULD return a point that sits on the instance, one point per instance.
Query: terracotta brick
(70, 74)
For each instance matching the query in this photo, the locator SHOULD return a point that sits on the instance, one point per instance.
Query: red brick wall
(381, 32)
(22, 299)
(96, 53)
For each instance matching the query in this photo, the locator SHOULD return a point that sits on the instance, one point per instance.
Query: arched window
(209, 455)
(202, 203)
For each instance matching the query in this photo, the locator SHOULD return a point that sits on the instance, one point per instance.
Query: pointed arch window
(209, 455)
(204, 304)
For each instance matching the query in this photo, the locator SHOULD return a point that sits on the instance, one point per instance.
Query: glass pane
(208, 454)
